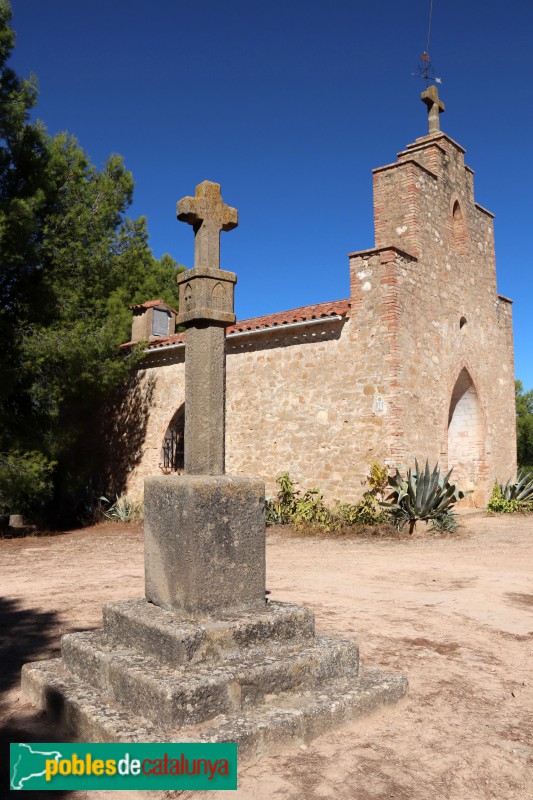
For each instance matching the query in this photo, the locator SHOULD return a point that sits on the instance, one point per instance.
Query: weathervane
(425, 68)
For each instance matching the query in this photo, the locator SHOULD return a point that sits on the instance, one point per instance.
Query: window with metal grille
(173, 450)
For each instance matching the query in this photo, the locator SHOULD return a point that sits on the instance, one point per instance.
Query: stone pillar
(205, 388)
(205, 531)
(206, 308)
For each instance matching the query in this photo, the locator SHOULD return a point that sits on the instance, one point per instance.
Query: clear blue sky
(289, 105)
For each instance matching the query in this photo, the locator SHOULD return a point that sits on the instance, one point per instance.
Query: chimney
(152, 320)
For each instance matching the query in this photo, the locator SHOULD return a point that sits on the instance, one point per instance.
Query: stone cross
(435, 107)
(208, 215)
(206, 309)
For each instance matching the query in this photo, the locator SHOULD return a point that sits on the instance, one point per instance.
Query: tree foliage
(524, 426)
(71, 262)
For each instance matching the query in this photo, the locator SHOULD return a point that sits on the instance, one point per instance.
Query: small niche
(462, 322)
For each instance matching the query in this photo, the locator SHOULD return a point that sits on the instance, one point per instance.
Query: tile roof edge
(315, 312)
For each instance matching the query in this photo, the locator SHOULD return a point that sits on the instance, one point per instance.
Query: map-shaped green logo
(126, 765)
(28, 763)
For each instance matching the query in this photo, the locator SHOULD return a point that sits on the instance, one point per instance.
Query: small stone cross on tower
(206, 309)
(435, 107)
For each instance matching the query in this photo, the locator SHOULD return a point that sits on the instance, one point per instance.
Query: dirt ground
(453, 613)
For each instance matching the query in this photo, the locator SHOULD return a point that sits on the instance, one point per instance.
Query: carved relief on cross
(435, 107)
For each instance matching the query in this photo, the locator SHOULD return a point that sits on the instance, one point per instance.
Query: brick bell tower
(446, 334)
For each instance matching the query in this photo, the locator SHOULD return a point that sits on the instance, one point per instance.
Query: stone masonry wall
(302, 400)
(306, 408)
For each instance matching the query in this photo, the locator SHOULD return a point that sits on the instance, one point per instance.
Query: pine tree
(71, 262)
(524, 426)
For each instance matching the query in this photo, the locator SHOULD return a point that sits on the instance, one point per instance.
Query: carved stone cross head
(435, 107)
(208, 215)
(206, 291)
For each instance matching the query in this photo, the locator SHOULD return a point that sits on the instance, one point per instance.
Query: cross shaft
(206, 308)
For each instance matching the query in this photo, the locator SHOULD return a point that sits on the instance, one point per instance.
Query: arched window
(458, 227)
(173, 450)
(466, 453)
(457, 213)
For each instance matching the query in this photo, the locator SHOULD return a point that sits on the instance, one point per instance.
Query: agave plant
(520, 489)
(123, 509)
(423, 496)
(444, 523)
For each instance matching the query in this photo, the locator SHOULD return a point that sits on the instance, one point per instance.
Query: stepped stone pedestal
(260, 678)
(200, 659)
(204, 657)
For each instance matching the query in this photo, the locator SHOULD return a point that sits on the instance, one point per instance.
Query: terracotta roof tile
(152, 304)
(303, 314)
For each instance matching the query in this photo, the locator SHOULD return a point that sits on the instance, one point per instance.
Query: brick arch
(466, 435)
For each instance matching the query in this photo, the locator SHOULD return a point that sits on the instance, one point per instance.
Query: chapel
(416, 363)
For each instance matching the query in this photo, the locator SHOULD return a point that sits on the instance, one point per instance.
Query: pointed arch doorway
(466, 449)
(173, 449)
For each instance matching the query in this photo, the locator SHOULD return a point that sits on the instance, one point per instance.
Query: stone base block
(266, 729)
(204, 542)
(187, 695)
(179, 640)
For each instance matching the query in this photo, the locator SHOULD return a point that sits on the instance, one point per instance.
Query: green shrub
(378, 480)
(499, 504)
(444, 523)
(290, 507)
(310, 512)
(422, 496)
(280, 510)
(366, 512)
(273, 514)
(518, 493)
(25, 482)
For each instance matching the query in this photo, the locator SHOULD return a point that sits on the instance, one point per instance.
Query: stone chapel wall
(303, 401)
(421, 367)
